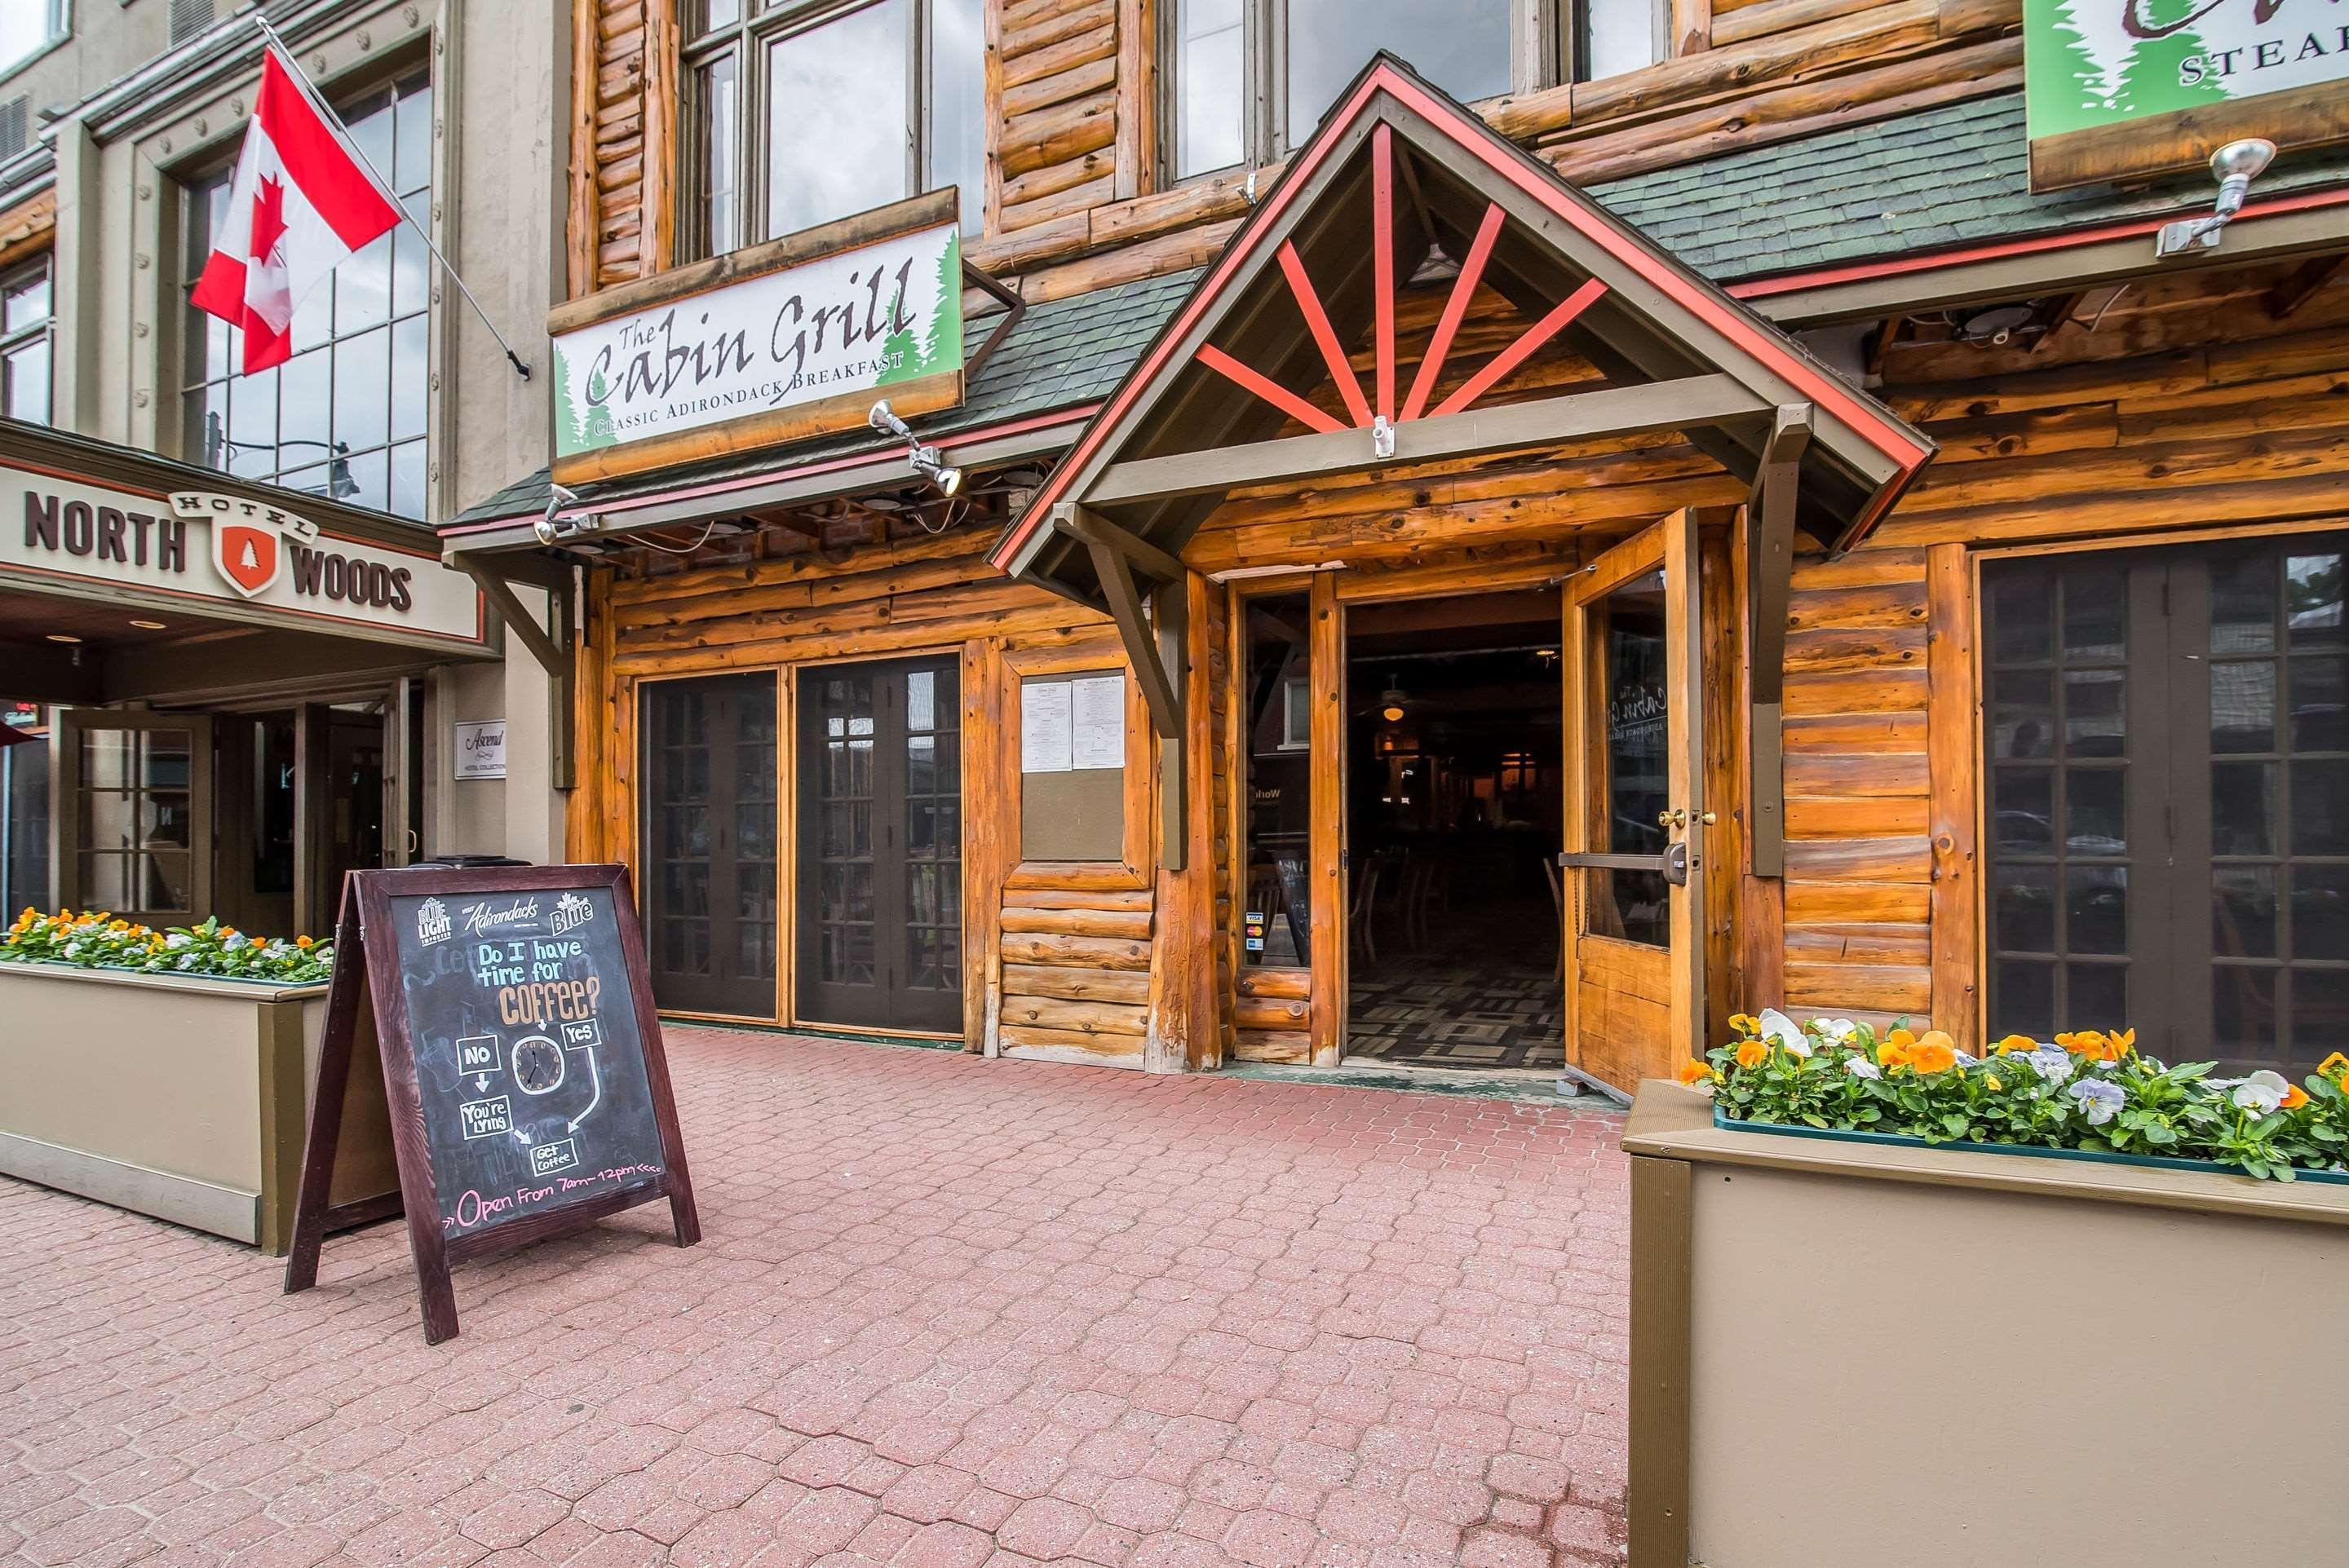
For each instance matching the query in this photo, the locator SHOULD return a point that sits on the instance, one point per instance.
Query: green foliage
(2084, 1090)
(95, 940)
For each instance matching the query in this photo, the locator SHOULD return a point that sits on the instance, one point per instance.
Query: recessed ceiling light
(63, 637)
(149, 625)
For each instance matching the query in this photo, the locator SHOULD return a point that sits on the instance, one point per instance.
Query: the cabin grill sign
(846, 325)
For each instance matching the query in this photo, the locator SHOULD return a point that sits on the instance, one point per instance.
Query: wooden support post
(1769, 575)
(1170, 623)
(1952, 734)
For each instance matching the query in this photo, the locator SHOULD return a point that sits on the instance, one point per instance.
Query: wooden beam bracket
(1770, 569)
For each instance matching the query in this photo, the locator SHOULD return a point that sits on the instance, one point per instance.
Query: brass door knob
(1675, 818)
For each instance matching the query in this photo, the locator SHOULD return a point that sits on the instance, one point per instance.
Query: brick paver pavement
(948, 1312)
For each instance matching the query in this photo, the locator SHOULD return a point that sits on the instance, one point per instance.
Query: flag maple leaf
(268, 217)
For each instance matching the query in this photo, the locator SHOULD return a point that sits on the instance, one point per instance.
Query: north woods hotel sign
(245, 559)
(2117, 88)
(721, 362)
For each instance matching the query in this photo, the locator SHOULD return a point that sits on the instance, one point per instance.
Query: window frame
(1545, 38)
(2170, 946)
(60, 32)
(43, 332)
(761, 25)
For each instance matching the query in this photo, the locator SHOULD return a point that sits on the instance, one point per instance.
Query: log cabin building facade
(1501, 551)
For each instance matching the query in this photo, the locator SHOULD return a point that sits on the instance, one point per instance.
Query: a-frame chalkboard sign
(521, 1064)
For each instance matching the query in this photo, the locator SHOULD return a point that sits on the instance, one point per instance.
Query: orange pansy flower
(1936, 1053)
(2014, 1043)
(1694, 1071)
(2295, 1098)
(1752, 1053)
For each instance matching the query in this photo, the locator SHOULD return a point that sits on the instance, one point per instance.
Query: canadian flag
(300, 203)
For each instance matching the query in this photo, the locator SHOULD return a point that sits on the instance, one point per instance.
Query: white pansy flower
(2053, 1062)
(2101, 1100)
(1835, 1031)
(2263, 1091)
(1858, 1065)
(72, 948)
(178, 939)
(1781, 1031)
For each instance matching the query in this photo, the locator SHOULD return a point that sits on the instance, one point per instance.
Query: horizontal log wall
(2190, 406)
(1059, 958)
(1073, 201)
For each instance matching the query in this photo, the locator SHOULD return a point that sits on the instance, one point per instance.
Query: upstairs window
(27, 27)
(1248, 81)
(345, 417)
(25, 316)
(798, 114)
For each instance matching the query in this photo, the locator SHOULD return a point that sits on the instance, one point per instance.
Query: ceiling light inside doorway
(63, 637)
(1391, 702)
(149, 625)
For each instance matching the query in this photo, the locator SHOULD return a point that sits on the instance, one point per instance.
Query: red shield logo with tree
(247, 553)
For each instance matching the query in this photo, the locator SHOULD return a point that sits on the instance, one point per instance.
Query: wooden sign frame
(367, 905)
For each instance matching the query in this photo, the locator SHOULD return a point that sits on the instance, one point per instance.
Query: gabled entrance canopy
(1397, 168)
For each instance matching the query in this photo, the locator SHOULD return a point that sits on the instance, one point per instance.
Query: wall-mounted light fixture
(553, 529)
(2234, 166)
(928, 461)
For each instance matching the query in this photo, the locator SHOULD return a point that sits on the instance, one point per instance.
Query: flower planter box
(181, 1098)
(1862, 1349)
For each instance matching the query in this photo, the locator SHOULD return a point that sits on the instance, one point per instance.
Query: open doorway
(1454, 767)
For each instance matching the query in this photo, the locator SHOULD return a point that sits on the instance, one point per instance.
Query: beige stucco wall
(501, 82)
(1886, 1372)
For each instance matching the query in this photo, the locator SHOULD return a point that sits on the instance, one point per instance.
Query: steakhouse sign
(252, 561)
(774, 356)
(2141, 86)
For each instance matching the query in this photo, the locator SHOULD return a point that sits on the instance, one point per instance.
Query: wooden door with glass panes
(137, 828)
(1633, 875)
(709, 851)
(879, 793)
(2166, 768)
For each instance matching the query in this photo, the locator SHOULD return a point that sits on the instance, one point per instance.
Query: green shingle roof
(1954, 175)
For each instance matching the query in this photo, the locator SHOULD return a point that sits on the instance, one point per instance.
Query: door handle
(1673, 863)
(1678, 817)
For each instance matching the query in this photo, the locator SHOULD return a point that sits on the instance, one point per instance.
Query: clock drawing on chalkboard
(537, 1064)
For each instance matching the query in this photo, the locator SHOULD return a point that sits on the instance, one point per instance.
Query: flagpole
(383, 187)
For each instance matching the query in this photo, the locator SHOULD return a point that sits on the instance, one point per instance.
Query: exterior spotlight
(931, 465)
(928, 461)
(2234, 166)
(553, 529)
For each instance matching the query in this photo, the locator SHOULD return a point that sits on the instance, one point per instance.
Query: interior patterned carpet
(1476, 1000)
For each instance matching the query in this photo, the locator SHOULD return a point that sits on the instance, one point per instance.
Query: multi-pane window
(25, 316)
(1248, 81)
(800, 113)
(2168, 755)
(346, 416)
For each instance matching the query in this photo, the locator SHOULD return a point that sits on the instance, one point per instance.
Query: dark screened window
(345, 417)
(798, 114)
(2168, 755)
